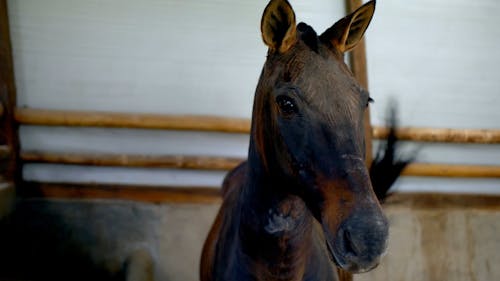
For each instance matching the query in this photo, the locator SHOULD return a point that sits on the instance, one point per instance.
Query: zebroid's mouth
(332, 254)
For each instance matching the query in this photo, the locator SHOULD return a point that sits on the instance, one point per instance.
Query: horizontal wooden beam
(130, 160)
(451, 170)
(130, 120)
(45, 117)
(440, 201)
(149, 194)
(484, 136)
(208, 195)
(227, 163)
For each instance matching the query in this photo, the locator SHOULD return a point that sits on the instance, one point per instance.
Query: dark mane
(389, 161)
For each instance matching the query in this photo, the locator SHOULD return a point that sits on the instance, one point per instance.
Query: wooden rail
(130, 160)
(208, 195)
(166, 194)
(225, 124)
(149, 194)
(130, 120)
(227, 163)
(490, 136)
(452, 170)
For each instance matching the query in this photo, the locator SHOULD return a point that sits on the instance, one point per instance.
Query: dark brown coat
(302, 205)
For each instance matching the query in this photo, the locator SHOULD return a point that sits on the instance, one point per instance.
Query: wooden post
(357, 61)
(12, 171)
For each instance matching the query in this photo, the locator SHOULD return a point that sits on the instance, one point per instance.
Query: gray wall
(174, 57)
(437, 59)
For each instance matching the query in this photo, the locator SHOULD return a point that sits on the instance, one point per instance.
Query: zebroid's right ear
(347, 32)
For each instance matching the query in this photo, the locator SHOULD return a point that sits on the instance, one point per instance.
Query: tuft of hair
(309, 36)
(389, 162)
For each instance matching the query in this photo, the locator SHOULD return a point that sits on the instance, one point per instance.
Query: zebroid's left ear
(347, 32)
(278, 26)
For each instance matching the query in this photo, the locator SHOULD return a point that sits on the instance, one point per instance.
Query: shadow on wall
(37, 244)
(95, 240)
(79, 240)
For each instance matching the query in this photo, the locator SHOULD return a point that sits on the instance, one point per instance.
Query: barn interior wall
(198, 57)
(437, 59)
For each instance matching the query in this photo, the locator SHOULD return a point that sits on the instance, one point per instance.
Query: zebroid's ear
(347, 32)
(278, 26)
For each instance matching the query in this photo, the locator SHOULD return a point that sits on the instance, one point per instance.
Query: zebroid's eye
(286, 105)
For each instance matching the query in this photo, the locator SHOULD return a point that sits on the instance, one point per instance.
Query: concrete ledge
(440, 237)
